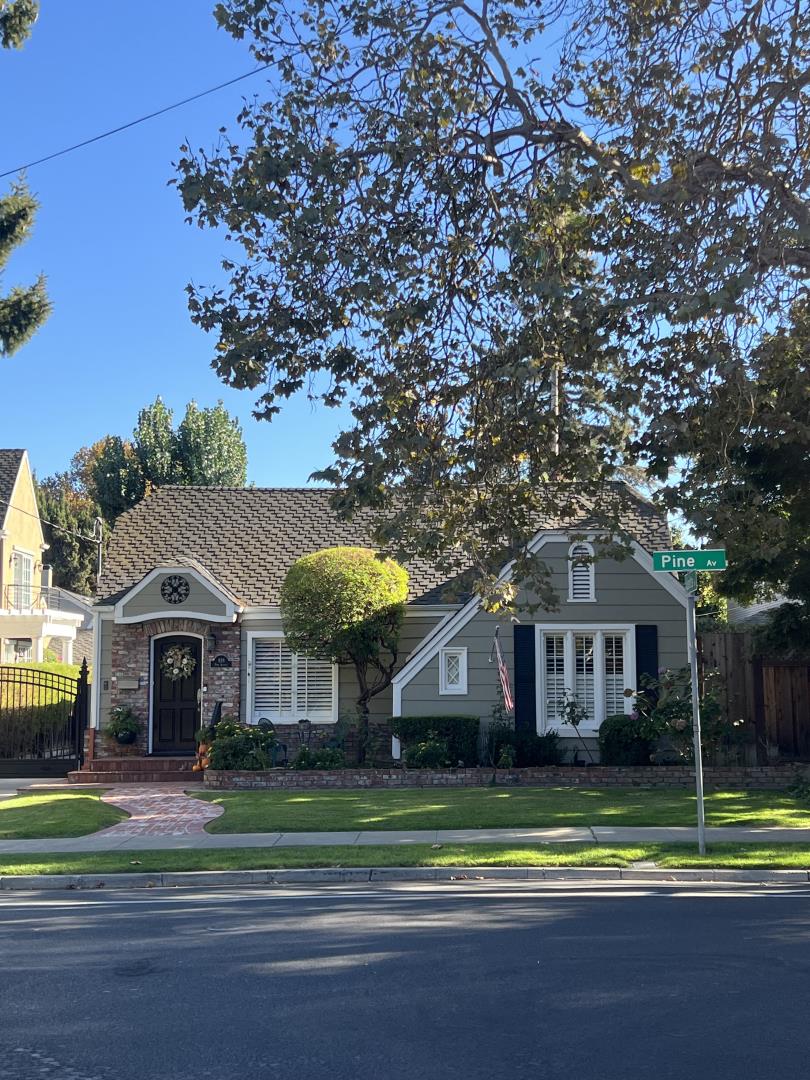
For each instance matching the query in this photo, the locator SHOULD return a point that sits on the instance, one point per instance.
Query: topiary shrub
(460, 733)
(431, 753)
(626, 739)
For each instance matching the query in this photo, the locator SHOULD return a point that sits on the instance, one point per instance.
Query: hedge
(459, 732)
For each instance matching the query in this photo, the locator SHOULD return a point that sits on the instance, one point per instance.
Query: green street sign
(690, 582)
(665, 562)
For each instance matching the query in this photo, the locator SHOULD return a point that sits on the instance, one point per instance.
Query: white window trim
(598, 630)
(461, 653)
(591, 597)
(250, 718)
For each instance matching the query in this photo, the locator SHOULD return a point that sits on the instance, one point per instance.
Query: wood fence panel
(786, 691)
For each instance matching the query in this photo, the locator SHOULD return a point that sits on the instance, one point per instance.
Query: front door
(176, 698)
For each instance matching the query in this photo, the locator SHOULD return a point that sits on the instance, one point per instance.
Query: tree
(207, 449)
(24, 309)
(17, 17)
(511, 269)
(746, 477)
(69, 522)
(347, 605)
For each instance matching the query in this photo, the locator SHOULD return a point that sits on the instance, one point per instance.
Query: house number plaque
(221, 661)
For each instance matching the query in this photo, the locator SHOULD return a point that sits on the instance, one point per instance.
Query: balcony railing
(31, 598)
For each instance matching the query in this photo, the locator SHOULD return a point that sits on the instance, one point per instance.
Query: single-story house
(202, 567)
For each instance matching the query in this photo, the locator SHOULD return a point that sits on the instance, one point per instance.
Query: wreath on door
(178, 662)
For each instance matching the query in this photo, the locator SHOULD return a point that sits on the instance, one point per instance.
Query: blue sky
(110, 235)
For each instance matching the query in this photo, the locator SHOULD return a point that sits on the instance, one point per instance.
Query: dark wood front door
(175, 702)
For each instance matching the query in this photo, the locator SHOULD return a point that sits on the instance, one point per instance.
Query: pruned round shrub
(459, 733)
(626, 739)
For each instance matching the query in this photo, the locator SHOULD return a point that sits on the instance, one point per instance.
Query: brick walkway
(157, 810)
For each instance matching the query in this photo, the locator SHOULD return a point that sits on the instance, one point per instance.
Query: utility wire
(53, 525)
(133, 123)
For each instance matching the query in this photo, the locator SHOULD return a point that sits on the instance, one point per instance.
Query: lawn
(488, 808)
(664, 856)
(35, 817)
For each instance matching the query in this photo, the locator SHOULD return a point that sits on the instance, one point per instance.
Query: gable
(197, 596)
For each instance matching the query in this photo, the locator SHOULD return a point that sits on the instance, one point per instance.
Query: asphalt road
(472, 979)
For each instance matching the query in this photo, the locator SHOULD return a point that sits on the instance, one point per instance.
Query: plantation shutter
(314, 688)
(525, 679)
(288, 687)
(553, 676)
(614, 674)
(584, 682)
(272, 677)
(581, 574)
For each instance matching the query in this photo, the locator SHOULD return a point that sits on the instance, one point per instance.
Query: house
(36, 619)
(201, 568)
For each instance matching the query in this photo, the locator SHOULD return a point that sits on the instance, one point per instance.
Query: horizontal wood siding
(625, 593)
(413, 631)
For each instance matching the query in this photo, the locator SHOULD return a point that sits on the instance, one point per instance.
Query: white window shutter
(272, 677)
(614, 674)
(580, 573)
(554, 660)
(314, 688)
(584, 684)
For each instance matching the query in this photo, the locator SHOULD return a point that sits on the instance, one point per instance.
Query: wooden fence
(770, 696)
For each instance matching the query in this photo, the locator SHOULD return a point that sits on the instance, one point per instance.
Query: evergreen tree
(67, 516)
(25, 308)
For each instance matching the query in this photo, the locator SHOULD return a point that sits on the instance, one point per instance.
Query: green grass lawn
(665, 856)
(482, 808)
(37, 816)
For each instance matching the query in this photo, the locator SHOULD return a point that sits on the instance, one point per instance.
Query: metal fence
(43, 717)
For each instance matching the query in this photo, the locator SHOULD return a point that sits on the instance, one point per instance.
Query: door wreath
(178, 662)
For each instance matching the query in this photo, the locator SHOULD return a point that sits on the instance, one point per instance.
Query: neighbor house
(201, 569)
(37, 620)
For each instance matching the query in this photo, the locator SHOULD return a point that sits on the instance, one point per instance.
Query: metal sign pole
(691, 625)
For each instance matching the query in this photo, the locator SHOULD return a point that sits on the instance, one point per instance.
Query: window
(286, 687)
(453, 671)
(22, 573)
(594, 665)
(581, 576)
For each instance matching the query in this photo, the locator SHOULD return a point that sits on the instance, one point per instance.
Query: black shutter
(646, 653)
(525, 679)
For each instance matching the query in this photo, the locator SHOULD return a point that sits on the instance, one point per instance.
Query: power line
(133, 123)
(53, 525)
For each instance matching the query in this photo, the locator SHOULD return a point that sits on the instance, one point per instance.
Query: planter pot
(125, 738)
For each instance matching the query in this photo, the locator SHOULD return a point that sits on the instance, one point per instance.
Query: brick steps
(137, 770)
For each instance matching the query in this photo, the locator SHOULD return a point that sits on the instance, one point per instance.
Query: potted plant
(123, 726)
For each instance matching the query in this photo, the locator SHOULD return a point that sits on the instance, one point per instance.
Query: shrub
(626, 739)
(328, 757)
(431, 753)
(506, 757)
(241, 746)
(459, 733)
(533, 751)
(122, 722)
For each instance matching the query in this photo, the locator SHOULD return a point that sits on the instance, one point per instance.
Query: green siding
(148, 600)
(625, 594)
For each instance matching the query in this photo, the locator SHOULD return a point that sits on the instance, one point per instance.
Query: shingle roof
(248, 538)
(10, 461)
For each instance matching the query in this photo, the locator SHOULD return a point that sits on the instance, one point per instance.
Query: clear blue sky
(111, 235)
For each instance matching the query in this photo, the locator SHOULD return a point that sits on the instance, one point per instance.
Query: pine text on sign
(669, 561)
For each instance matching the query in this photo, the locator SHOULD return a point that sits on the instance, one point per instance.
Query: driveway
(409, 982)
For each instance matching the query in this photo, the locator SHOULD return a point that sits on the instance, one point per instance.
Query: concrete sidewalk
(108, 840)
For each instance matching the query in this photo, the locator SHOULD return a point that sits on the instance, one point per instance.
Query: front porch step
(136, 770)
(130, 776)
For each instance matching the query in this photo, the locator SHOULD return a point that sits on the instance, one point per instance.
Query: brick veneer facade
(661, 776)
(131, 646)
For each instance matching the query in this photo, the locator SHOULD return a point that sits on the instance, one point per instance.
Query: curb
(218, 878)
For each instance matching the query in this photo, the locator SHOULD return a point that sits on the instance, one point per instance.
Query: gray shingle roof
(248, 538)
(10, 461)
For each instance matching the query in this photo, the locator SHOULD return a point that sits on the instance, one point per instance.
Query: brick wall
(130, 660)
(663, 776)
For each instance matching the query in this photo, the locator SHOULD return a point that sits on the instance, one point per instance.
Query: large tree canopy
(522, 240)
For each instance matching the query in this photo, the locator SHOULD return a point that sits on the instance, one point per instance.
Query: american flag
(503, 671)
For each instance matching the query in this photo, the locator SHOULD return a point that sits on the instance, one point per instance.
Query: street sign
(690, 582)
(664, 562)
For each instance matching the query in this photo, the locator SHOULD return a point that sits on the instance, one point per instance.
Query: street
(467, 979)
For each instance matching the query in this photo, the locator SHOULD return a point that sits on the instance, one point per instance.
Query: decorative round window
(174, 589)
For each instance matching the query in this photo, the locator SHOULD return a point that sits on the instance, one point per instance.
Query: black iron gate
(43, 717)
